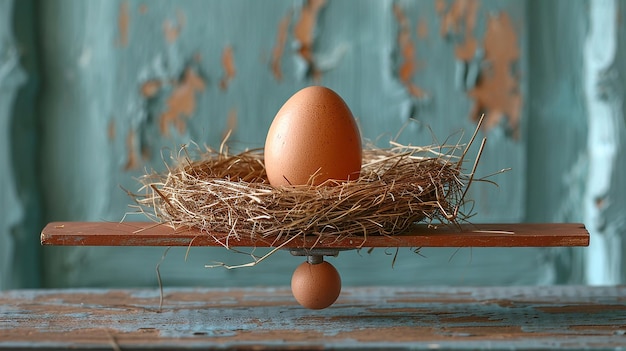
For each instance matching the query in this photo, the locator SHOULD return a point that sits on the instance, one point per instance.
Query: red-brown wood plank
(467, 235)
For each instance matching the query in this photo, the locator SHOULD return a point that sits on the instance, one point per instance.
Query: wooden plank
(467, 235)
(549, 317)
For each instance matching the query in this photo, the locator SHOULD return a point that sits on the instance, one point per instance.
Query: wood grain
(512, 318)
(467, 235)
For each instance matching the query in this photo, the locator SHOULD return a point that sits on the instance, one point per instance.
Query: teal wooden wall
(93, 93)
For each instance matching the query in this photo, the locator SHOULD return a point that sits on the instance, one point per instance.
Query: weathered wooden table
(561, 317)
(557, 317)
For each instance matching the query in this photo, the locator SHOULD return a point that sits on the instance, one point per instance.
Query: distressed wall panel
(605, 191)
(126, 82)
(11, 77)
(576, 126)
(557, 160)
(19, 196)
(138, 79)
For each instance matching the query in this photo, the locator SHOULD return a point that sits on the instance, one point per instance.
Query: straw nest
(229, 195)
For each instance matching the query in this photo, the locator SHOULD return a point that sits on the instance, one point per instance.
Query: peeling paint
(172, 29)
(182, 102)
(457, 25)
(490, 80)
(228, 64)
(132, 158)
(150, 88)
(440, 6)
(231, 123)
(304, 32)
(497, 93)
(123, 24)
(408, 67)
(146, 152)
(197, 57)
(422, 28)
(279, 47)
(459, 20)
(111, 130)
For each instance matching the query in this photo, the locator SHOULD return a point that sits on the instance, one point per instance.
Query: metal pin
(315, 259)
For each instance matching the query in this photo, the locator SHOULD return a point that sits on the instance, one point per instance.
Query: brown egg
(313, 138)
(316, 286)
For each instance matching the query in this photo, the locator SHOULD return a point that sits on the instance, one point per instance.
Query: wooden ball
(316, 286)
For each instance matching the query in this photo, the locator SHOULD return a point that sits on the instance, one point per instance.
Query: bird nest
(229, 195)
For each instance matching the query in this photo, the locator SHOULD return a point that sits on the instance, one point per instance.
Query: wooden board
(422, 318)
(468, 235)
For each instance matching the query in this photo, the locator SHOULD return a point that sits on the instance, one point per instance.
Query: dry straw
(229, 196)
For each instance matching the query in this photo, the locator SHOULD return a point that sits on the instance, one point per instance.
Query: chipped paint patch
(422, 28)
(123, 24)
(172, 29)
(228, 64)
(457, 25)
(181, 103)
(497, 93)
(132, 157)
(150, 88)
(279, 47)
(304, 32)
(490, 80)
(459, 20)
(408, 67)
(111, 130)
(231, 123)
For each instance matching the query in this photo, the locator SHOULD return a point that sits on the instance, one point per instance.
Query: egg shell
(313, 138)
(316, 286)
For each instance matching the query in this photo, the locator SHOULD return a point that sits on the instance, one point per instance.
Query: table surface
(556, 317)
